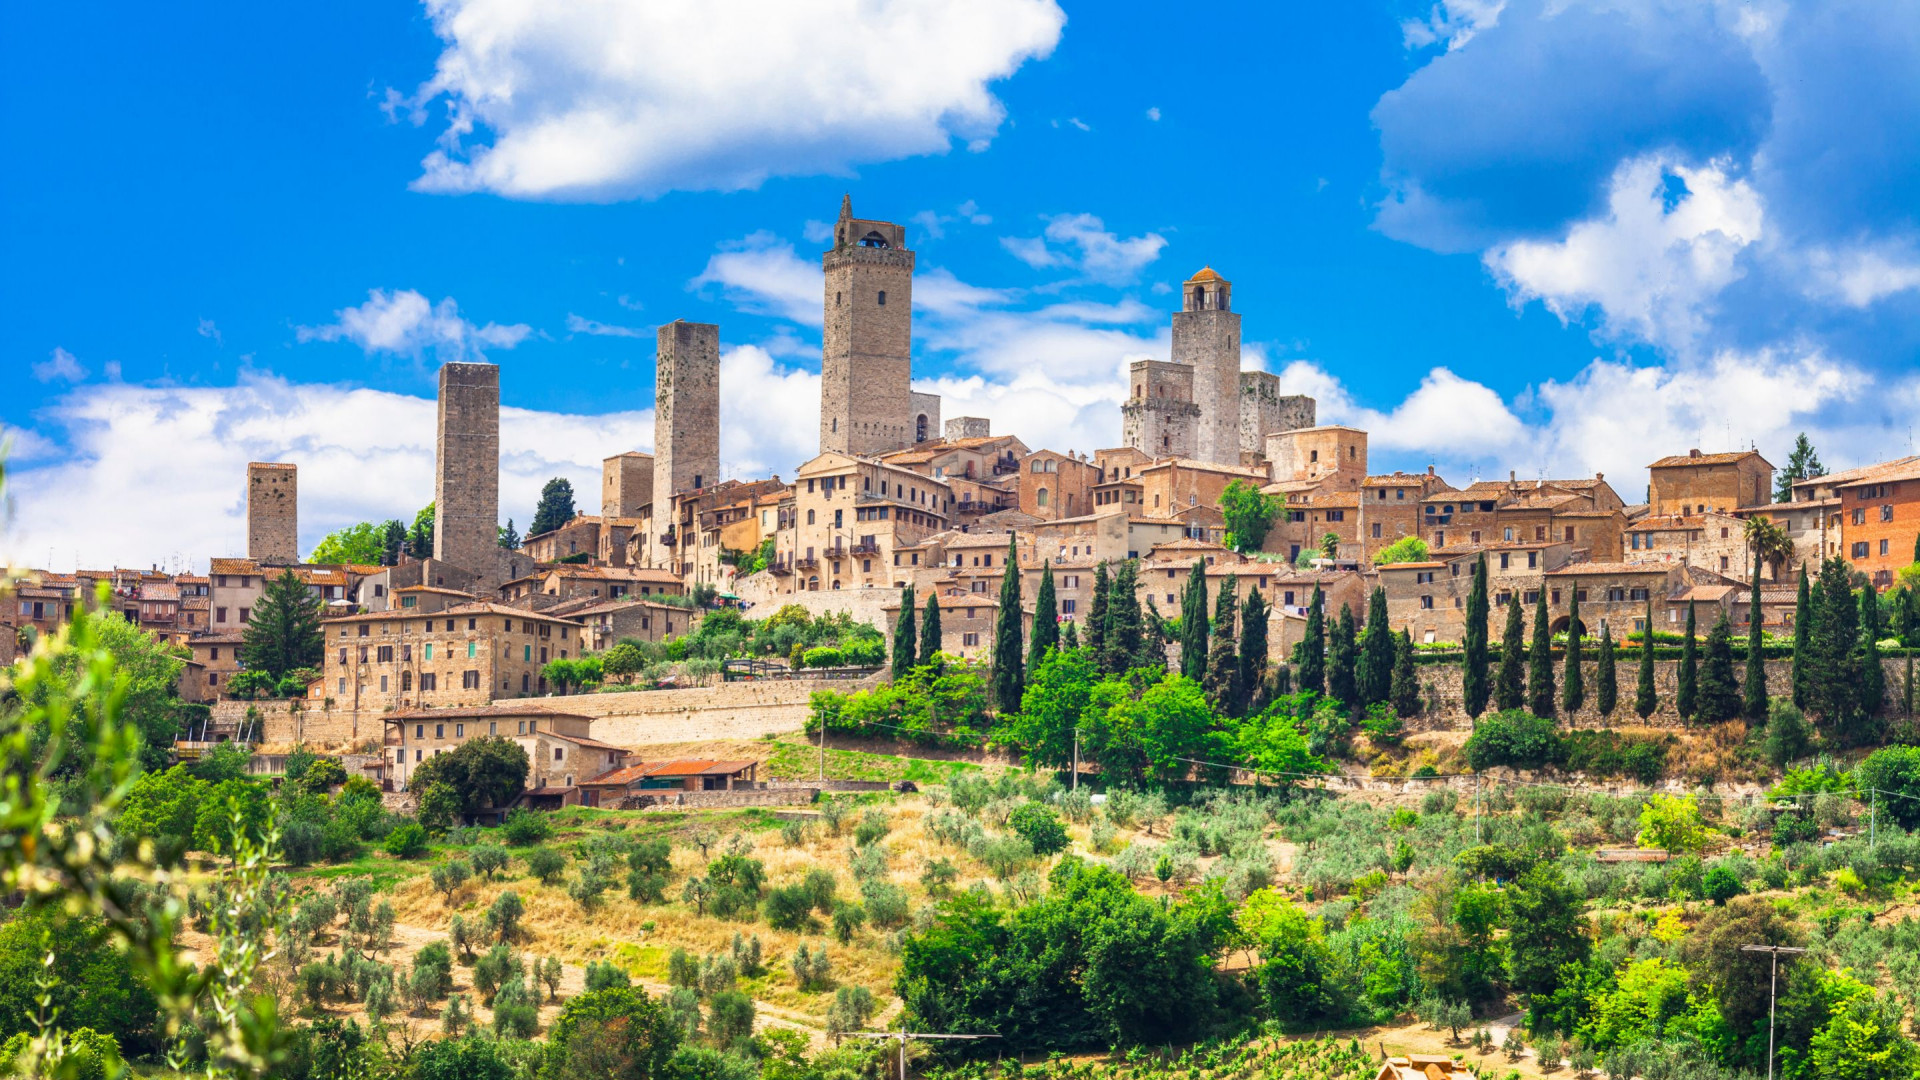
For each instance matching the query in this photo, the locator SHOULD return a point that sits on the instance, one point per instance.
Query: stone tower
(686, 411)
(1206, 334)
(466, 480)
(1160, 418)
(866, 370)
(626, 484)
(273, 518)
(1264, 410)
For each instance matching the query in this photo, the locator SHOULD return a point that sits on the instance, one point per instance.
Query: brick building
(1055, 485)
(1694, 483)
(1880, 521)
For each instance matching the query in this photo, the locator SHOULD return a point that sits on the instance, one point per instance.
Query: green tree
(1193, 623)
(1008, 649)
(1311, 662)
(1404, 550)
(1342, 682)
(1573, 691)
(93, 984)
(555, 509)
(420, 537)
(1834, 678)
(1686, 694)
(284, 632)
(488, 771)
(1802, 464)
(470, 1057)
(1674, 823)
(1540, 661)
(1719, 694)
(1753, 703)
(1120, 643)
(904, 648)
(363, 544)
(1606, 686)
(508, 537)
(1893, 770)
(393, 542)
(1547, 933)
(1405, 688)
(1223, 659)
(1040, 826)
(930, 630)
(1804, 618)
(1249, 513)
(1510, 685)
(1865, 1040)
(1096, 635)
(1058, 690)
(1473, 677)
(618, 1033)
(1046, 619)
(1644, 699)
(1373, 672)
(1252, 648)
(1873, 677)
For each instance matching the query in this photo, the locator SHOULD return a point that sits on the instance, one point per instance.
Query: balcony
(806, 562)
(780, 567)
(866, 546)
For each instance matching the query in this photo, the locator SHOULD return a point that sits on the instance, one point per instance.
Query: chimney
(1695, 452)
(1599, 476)
(1513, 477)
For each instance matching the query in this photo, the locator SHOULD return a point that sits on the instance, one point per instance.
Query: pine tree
(1071, 638)
(1405, 691)
(555, 509)
(1341, 676)
(1644, 699)
(420, 537)
(1096, 635)
(1046, 619)
(1510, 689)
(930, 630)
(1120, 643)
(1804, 618)
(1686, 695)
(1873, 677)
(1374, 671)
(1193, 623)
(507, 536)
(1573, 688)
(1223, 661)
(1253, 651)
(905, 650)
(393, 543)
(1802, 464)
(1473, 678)
(1540, 661)
(284, 631)
(1312, 652)
(1009, 652)
(1719, 694)
(1606, 688)
(1753, 703)
(1834, 677)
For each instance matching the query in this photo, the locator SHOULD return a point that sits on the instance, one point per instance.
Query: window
(1860, 550)
(471, 647)
(1376, 530)
(1426, 603)
(406, 681)
(427, 654)
(883, 298)
(1069, 606)
(1637, 594)
(429, 681)
(969, 639)
(526, 654)
(1336, 515)
(384, 654)
(220, 615)
(1533, 560)
(1886, 514)
(459, 731)
(343, 654)
(245, 613)
(1554, 599)
(1507, 534)
(1723, 563)
(1883, 550)
(559, 753)
(470, 680)
(1423, 577)
(1570, 533)
(1504, 560)
(1859, 518)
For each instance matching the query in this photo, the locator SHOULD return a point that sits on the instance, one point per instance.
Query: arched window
(1040, 498)
(809, 517)
(920, 428)
(874, 240)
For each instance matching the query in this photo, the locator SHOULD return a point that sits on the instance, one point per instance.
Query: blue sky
(1549, 238)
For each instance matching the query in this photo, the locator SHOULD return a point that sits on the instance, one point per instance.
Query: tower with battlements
(273, 513)
(1206, 335)
(866, 367)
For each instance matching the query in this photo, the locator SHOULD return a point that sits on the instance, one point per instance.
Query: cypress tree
(1341, 661)
(1312, 653)
(1096, 636)
(1719, 695)
(1573, 690)
(1406, 688)
(1834, 675)
(930, 629)
(1153, 639)
(1193, 623)
(1253, 651)
(905, 650)
(1606, 688)
(1120, 643)
(1645, 701)
(1753, 696)
(1510, 690)
(1540, 660)
(1473, 679)
(1223, 662)
(1046, 619)
(1873, 677)
(1803, 620)
(1009, 676)
(284, 632)
(1686, 697)
(1374, 672)
(1071, 638)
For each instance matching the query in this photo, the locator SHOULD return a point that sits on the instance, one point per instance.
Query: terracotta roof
(1206, 273)
(482, 608)
(579, 740)
(1384, 567)
(1859, 473)
(1707, 593)
(1577, 569)
(233, 638)
(434, 589)
(1907, 471)
(159, 592)
(646, 769)
(233, 566)
(1676, 461)
(481, 712)
(1668, 523)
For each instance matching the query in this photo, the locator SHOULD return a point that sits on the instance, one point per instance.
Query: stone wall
(708, 800)
(762, 593)
(273, 513)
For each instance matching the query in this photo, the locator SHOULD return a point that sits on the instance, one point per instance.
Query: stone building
(686, 402)
(867, 403)
(608, 621)
(851, 514)
(626, 480)
(1206, 337)
(967, 427)
(216, 657)
(1329, 455)
(465, 655)
(1055, 485)
(1160, 417)
(466, 483)
(550, 584)
(967, 620)
(1694, 483)
(1584, 513)
(1264, 410)
(375, 591)
(1171, 485)
(238, 584)
(580, 536)
(560, 751)
(1390, 507)
(273, 513)
(1714, 540)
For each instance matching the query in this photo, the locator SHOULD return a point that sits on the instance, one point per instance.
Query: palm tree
(1769, 542)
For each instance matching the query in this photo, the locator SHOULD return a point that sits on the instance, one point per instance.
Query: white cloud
(1153, 113)
(405, 323)
(769, 414)
(1082, 242)
(1654, 263)
(1451, 21)
(762, 274)
(578, 325)
(1862, 276)
(207, 329)
(607, 99)
(59, 364)
(971, 211)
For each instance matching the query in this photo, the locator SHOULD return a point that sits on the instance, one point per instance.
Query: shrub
(1040, 827)
(886, 903)
(488, 860)
(1721, 885)
(790, 907)
(823, 657)
(1515, 739)
(524, 827)
(546, 864)
(409, 841)
(606, 976)
(872, 827)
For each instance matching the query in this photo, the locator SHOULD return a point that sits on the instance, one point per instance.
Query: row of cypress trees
(1358, 667)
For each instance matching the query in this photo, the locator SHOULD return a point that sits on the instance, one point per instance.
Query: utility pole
(1476, 806)
(902, 1036)
(823, 749)
(1074, 783)
(1773, 991)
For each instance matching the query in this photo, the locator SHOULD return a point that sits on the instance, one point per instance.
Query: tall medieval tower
(1206, 334)
(866, 367)
(466, 480)
(686, 411)
(273, 513)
